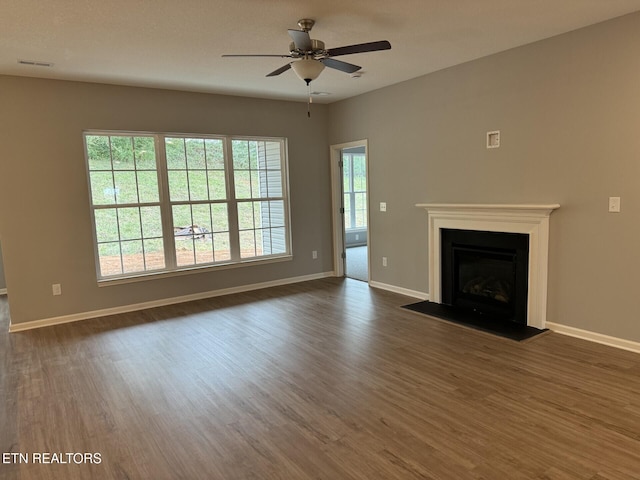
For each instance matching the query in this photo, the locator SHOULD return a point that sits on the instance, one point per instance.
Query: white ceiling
(178, 44)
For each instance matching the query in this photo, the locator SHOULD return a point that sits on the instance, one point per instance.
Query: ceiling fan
(312, 56)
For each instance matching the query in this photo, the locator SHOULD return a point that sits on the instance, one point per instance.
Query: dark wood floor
(321, 380)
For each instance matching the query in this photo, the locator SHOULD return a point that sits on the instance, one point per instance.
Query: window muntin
(174, 202)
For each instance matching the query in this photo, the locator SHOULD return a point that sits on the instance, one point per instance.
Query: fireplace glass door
(486, 272)
(485, 277)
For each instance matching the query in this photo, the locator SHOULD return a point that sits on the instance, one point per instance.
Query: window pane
(182, 220)
(129, 223)
(245, 215)
(215, 154)
(243, 184)
(204, 253)
(278, 240)
(122, 153)
(193, 236)
(346, 172)
(221, 247)
(274, 183)
(154, 254)
(240, 153)
(260, 214)
(198, 189)
(145, 153)
(176, 156)
(247, 244)
(132, 256)
(103, 191)
(178, 186)
(260, 247)
(185, 254)
(217, 185)
(201, 215)
(98, 152)
(219, 216)
(106, 225)
(109, 259)
(270, 156)
(347, 211)
(359, 174)
(148, 186)
(195, 153)
(257, 190)
(276, 211)
(253, 155)
(126, 187)
(151, 222)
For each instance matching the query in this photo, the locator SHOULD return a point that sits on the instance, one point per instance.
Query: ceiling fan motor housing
(317, 49)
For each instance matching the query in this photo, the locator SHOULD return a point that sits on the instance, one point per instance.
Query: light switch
(614, 204)
(493, 139)
(383, 206)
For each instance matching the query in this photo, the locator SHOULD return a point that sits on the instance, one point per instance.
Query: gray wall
(569, 113)
(44, 204)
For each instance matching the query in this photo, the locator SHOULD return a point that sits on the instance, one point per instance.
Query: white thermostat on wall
(493, 139)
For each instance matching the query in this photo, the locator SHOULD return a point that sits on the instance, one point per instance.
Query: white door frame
(336, 205)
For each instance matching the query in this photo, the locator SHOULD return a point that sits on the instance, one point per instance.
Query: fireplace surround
(531, 220)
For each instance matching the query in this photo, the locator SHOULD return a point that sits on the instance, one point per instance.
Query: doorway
(351, 212)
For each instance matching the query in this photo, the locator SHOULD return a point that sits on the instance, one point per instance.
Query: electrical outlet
(383, 206)
(314, 254)
(384, 261)
(56, 288)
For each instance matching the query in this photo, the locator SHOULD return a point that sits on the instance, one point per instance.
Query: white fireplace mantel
(529, 219)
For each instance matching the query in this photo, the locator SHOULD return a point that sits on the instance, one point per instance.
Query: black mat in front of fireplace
(502, 328)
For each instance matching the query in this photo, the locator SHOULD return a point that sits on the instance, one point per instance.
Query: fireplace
(486, 273)
(531, 220)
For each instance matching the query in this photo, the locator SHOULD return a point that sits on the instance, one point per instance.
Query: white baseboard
(402, 291)
(595, 337)
(47, 322)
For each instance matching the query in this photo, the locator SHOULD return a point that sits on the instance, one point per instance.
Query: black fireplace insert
(486, 272)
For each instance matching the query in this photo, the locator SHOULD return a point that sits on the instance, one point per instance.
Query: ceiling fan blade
(280, 70)
(301, 40)
(339, 65)
(360, 48)
(259, 55)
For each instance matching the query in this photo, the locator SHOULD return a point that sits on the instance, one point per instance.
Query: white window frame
(171, 267)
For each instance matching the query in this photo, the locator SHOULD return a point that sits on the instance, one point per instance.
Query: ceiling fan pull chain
(309, 101)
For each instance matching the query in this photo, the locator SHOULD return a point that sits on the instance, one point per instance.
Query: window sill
(153, 275)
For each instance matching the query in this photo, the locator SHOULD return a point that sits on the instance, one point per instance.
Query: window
(355, 190)
(175, 202)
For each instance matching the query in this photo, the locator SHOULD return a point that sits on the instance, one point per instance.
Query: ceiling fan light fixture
(307, 69)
